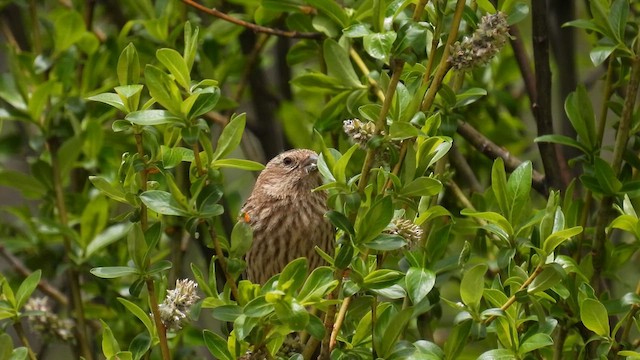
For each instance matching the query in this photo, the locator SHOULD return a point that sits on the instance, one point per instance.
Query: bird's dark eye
(287, 161)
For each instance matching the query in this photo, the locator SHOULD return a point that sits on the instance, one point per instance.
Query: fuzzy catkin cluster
(359, 132)
(492, 34)
(406, 229)
(175, 307)
(47, 322)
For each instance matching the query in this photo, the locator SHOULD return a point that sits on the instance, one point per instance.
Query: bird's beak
(310, 164)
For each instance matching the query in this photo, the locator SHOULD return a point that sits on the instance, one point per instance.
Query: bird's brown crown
(290, 173)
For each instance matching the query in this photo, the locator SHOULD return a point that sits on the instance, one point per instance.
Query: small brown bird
(286, 216)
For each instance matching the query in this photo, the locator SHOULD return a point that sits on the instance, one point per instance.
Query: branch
(252, 26)
(493, 151)
(43, 285)
(552, 158)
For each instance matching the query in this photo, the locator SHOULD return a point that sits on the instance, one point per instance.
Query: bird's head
(291, 172)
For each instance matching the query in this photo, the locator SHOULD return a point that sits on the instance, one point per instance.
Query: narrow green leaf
(382, 278)
(535, 342)
(140, 314)
(551, 275)
(29, 186)
(472, 286)
(68, 29)
(339, 65)
(128, 66)
(606, 177)
(555, 239)
(378, 45)
(230, 136)
(499, 185)
(241, 239)
(163, 203)
(594, 316)
(422, 186)
(241, 164)
(562, 140)
(152, 117)
(137, 246)
(498, 354)
(457, 339)
(374, 220)
(176, 65)
(109, 99)
(340, 167)
(110, 345)
(580, 113)
(518, 192)
(163, 89)
(491, 217)
(332, 9)
(317, 285)
(293, 275)
(26, 288)
(216, 345)
(112, 272)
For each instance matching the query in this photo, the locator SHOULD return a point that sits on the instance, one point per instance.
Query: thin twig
(464, 169)
(43, 285)
(252, 26)
(223, 263)
(493, 151)
(365, 71)
(512, 299)
(339, 320)
(17, 326)
(155, 310)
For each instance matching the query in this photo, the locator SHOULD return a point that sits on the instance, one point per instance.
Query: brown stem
(339, 320)
(493, 151)
(43, 285)
(381, 122)
(35, 27)
(555, 166)
(464, 169)
(155, 310)
(17, 326)
(522, 58)
(72, 272)
(252, 26)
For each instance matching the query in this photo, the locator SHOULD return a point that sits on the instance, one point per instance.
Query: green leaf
(340, 167)
(340, 221)
(241, 164)
(606, 176)
(110, 99)
(599, 54)
(378, 45)
(241, 239)
(403, 130)
(112, 272)
(339, 65)
(594, 316)
(137, 246)
(374, 220)
(393, 331)
(68, 29)
(319, 82)
(422, 186)
(110, 345)
(318, 284)
(386, 242)
(29, 186)
(292, 313)
(382, 278)
(486, 6)
(152, 117)
(200, 102)
(472, 286)
(551, 275)
(518, 191)
(315, 327)
(498, 354)
(469, 96)
(332, 9)
(563, 140)
(216, 345)
(140, 345)
(618, 14)
(356, 30)
(140, 314)
(163, 89)
(457, 339)
(419, 282)
(26, 288)
(534, 342)
(163, 203)
(258, 307)
(129, 66)
(190, 44)
(555, 239)
(293, 275)
(176, 65)
(230, 137)
(580, 113)
(491, 217)
(499, 185)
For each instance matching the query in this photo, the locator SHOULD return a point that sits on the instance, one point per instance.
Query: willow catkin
(286, 216)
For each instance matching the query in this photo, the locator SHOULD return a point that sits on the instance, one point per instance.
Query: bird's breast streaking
(286, 216)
